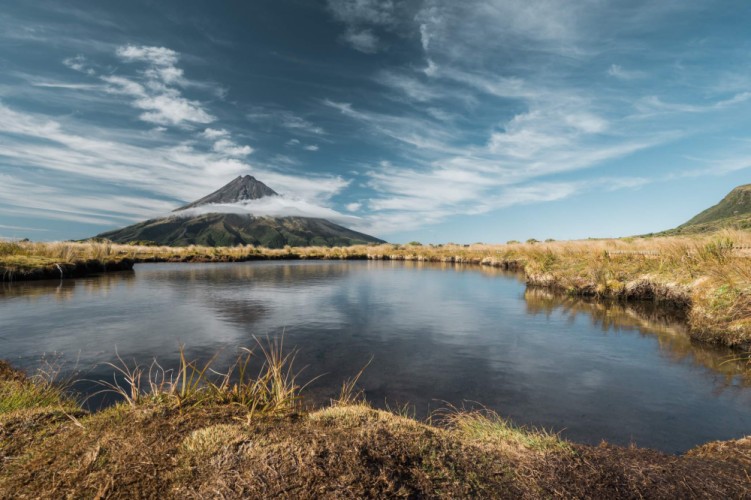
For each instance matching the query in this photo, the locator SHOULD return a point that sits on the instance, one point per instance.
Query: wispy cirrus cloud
(618, 71)
(23, 228)
(652, 104)
(171, 173)
(285, 119)
(157, 94)
(360, 18)
(409, 86)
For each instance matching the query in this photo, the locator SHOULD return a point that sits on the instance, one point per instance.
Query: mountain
(240, 189)
(733, 212)
(204, 227)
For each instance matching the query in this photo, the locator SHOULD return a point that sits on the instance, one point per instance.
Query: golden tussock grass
(272, 390)
(162, 447)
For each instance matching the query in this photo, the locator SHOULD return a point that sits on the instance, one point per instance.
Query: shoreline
(704, 277)
(65, 270)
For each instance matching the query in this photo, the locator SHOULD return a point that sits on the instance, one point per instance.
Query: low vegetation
(193, 432)
(708, 276)
(26, 261)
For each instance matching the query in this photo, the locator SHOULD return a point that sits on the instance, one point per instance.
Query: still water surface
(438, 334)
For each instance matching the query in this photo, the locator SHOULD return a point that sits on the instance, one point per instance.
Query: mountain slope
(186, 227)
(733, 212)
(237, 229)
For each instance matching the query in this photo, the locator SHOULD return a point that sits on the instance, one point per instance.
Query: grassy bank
(193, 435)
(708, 276)
(21, 261)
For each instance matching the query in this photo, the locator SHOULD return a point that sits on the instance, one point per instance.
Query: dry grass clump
(486, 426)
(10, 248)
(273, 390)
(43, 390)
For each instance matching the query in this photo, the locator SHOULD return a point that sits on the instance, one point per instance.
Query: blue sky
(429, 120)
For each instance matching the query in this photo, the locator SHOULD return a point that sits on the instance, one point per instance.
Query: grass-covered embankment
(709, 277)
(195, 435)
(40, 261)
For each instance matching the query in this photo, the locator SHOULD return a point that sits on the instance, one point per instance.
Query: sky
(429, 120)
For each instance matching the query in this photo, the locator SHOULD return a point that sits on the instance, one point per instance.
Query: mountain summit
(240, 189)
(229, 229)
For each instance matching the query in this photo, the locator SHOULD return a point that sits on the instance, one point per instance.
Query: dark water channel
(437, 334)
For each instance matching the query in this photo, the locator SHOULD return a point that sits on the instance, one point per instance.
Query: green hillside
(733, 212)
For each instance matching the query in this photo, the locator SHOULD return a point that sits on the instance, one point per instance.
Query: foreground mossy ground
(50, 448)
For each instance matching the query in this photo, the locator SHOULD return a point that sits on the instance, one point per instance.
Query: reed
(274, 389)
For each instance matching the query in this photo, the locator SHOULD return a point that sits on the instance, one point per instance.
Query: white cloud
(363, 40)
(413, 131)
(21, 228)
(78, 63)
(353, 207)
(559, 133)
(158, 56)
(294, 143)
(431, 69)
(618, 71)
(411, 87)
(494, 85)
(156, 94)
(51, 202)
(211, 133)
(229, 148)
(273, 206)
(288, 120)
(547, 127)
(170, 108)
(67, 86)
(652, 104)
(297, 123)
(519, 59)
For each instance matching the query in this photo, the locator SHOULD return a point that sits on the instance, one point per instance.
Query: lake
(437, 335)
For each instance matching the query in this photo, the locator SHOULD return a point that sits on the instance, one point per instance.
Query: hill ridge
(732, 212)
